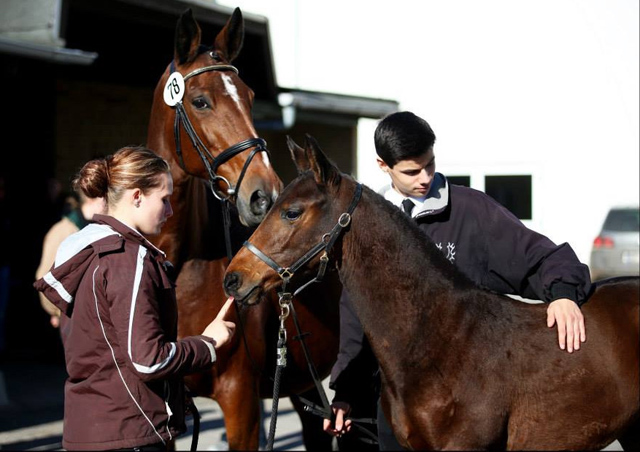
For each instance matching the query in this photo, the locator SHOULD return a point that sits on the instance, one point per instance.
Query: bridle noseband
(210, 162)
(325, 244)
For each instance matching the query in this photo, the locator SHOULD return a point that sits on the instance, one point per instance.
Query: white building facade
(546, 91)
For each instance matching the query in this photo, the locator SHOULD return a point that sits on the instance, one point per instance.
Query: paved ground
(31, 407)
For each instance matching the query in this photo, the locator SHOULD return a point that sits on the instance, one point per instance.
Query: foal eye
(200, 103)
(292, 215)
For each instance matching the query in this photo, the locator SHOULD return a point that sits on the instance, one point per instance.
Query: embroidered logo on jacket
(450, 252)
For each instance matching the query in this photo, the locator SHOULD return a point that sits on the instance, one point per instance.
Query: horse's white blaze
(233, 94)
(231, 89)
(265, 158)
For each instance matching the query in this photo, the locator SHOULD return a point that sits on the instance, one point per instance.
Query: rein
(286, 307)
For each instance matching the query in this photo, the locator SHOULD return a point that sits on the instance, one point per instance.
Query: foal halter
(326, 243)
(210, 162)
(286, 306)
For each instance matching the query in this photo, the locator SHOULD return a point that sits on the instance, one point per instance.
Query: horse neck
(401, 288)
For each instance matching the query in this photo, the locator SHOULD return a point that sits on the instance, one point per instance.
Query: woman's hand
(221, 330)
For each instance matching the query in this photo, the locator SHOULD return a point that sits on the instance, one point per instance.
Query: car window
(623, 220)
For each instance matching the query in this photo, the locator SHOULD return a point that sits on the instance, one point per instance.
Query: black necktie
(407, 206)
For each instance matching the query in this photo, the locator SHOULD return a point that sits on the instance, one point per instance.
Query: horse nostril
(232, 281)
(260, 203)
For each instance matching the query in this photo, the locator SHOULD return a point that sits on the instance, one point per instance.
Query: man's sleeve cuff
(564, 290)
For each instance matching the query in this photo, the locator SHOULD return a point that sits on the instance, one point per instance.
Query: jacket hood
(77, 253)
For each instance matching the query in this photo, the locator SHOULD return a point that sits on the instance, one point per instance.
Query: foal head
(201, 120)
(300, 221)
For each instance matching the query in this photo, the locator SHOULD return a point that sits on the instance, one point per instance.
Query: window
(513, 192)
(460, 180)
(623, 220)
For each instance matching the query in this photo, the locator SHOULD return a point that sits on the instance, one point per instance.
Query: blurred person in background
(79, 213)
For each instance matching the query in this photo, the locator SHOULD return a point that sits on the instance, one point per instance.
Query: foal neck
(398, 283)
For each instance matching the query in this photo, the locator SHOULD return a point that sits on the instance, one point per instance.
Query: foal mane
(398, 225)
(418, 275)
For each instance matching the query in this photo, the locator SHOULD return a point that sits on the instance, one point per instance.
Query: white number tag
(174, 89)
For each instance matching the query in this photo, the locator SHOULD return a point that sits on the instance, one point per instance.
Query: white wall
(546, 87)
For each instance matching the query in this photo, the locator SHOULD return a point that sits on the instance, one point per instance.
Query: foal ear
(298, 155)
(187, 38)
(229, 41)
(325, 172)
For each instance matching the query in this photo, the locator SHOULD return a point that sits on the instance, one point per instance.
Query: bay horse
(201, 123)
(462, 367)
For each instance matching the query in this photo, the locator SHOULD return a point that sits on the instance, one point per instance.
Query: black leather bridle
(210, 162)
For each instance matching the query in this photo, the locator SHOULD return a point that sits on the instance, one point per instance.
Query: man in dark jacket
(481, 237)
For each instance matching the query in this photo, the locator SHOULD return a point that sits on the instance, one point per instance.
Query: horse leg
(313, 436)
(630, 440)
(242, 417)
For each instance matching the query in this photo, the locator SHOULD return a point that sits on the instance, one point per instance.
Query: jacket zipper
(166, 403)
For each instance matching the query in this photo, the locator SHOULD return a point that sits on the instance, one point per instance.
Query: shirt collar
(436, 200)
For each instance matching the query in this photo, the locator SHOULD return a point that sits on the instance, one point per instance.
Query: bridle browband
(210, 162)
(325, 244)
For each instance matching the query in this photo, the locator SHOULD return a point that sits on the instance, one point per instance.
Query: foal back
(594, 390)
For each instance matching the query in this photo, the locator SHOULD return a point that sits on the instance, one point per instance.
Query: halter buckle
(344, 220)
(285, 273)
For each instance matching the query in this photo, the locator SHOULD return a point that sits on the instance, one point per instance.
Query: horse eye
(292, 214)
(200, 103)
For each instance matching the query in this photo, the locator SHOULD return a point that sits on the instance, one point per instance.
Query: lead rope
(281, 361)
(326, 412)
(196, 425)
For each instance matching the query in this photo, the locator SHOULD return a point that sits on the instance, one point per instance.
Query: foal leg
(313, 436)
(630, 440)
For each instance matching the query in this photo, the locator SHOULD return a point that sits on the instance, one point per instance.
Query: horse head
(296, 238)
(201, 120)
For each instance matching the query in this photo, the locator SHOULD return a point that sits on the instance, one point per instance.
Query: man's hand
(567, 315)
(341, 411)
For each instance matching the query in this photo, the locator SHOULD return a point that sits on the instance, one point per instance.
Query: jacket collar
(128, 233)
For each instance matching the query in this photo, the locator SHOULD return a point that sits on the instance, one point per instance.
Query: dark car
(615, 250)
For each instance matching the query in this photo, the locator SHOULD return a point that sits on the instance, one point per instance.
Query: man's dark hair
(402, 135)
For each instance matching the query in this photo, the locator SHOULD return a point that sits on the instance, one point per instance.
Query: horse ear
(298, 155)
(229, 41)
(324, 170)
(187, 39)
